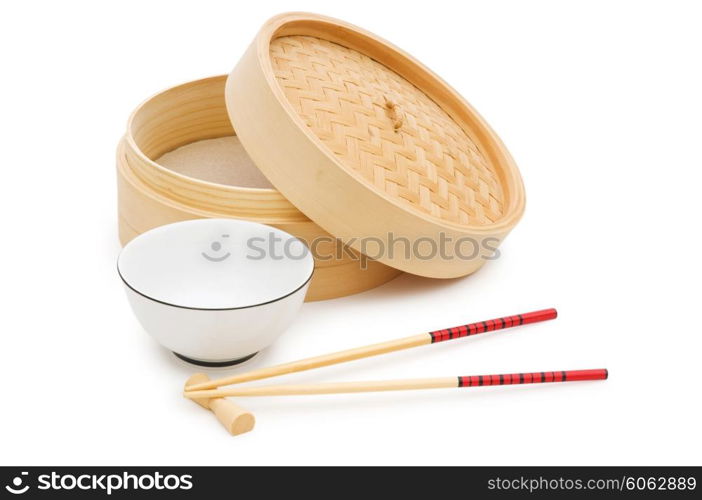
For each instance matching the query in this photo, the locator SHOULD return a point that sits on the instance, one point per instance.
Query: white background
(599, 102)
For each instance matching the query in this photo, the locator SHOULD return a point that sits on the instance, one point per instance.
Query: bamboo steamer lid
(373, 146)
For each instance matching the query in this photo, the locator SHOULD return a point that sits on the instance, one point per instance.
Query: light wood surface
(317, 362)
(234, 418)
(329, 388)
(344, 161)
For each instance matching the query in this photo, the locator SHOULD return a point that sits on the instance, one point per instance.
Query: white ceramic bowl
(215, 291)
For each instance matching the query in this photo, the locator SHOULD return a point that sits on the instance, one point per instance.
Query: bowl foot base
(214, 364)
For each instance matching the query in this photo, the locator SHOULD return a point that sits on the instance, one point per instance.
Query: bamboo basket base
(222, 160)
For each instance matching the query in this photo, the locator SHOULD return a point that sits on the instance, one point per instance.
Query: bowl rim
(192, 308)
(214, 308)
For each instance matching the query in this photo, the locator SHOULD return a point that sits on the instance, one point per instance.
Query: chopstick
(406, 384)
(381, 348)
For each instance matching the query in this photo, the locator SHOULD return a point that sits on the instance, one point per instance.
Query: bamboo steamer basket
(372, 144)
(151, 195)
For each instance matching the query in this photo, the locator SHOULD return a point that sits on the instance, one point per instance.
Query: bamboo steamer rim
(333, 211)
(145, 163)
(129, 138)
(125, 170)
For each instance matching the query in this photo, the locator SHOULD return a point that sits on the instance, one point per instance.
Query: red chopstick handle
(492, 324)
(533, 378)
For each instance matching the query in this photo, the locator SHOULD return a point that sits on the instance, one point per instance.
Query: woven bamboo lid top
(389, 132)
(372, 146)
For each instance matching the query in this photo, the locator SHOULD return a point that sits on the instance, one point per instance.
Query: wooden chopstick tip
(200, 394)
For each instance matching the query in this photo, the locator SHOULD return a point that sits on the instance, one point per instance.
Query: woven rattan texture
(386, 129)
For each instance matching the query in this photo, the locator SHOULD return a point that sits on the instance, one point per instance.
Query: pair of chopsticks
(211, 388)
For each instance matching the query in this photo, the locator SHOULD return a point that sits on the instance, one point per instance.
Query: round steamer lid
(373, 146)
